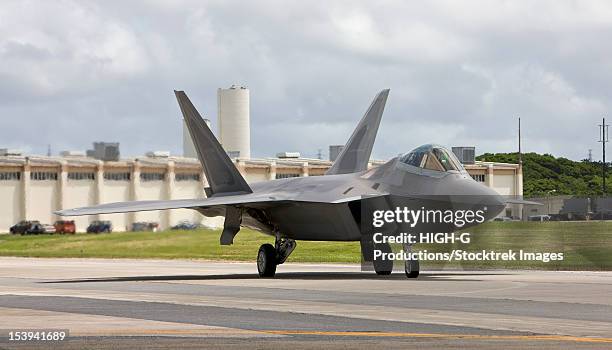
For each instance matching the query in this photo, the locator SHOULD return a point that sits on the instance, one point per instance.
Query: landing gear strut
(270, 256)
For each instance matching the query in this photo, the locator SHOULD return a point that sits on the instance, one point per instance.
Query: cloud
(460, 73)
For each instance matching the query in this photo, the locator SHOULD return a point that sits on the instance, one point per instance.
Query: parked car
(65, 226)
(539, 218)
(185, 225)
(98, 226)
(38, 228)
(47, 228)
(22, 226)
(145, 226)
(503, 218)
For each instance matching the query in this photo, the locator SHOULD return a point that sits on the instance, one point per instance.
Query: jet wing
(242, 200)
(521, 201)
(126, 207)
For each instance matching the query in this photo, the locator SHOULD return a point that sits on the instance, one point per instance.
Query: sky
(460, 72)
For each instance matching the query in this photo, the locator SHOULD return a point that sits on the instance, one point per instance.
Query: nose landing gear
(384, 266)
(270, 256)
(411, 267)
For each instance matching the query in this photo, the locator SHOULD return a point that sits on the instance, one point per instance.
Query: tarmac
(106, 303)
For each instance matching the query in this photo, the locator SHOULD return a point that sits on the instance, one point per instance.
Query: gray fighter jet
(334, 207)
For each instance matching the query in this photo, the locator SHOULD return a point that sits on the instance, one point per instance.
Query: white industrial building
(234, 121)
(33, 187)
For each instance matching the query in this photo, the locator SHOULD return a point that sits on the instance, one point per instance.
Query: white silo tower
(188, 147)
(234, 123)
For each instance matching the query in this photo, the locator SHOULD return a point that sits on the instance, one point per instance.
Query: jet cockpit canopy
(433, 157)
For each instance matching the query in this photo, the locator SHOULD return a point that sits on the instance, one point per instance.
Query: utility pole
(520, 154)
(604, 137)
(519, 174)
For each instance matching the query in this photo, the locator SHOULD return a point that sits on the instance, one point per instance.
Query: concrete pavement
(126, 302)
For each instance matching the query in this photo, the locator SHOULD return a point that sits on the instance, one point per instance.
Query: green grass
(586, 245)
(197, 244)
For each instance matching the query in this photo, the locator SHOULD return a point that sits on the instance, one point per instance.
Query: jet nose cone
(467, 194)
(492, 202)
(480, 197)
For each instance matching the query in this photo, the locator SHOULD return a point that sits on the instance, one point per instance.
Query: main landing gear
(385, 267)
(270, 256)
(382, 264)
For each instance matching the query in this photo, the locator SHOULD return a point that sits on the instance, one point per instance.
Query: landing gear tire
(266, 260)
(412, 268)
(383, 267)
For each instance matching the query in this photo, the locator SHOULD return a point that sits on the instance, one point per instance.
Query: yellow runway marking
(448, 336)
(203, 331)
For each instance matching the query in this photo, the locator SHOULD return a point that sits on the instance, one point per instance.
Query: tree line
(544, 173)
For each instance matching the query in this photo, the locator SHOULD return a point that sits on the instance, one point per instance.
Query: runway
(198, 304)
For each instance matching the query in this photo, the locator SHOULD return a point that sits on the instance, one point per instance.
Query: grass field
(586, 245)
(196, 244)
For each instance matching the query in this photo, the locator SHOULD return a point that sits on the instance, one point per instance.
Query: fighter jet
(333, 207)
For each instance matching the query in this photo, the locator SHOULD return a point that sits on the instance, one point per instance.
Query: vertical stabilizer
(223, 177)
(356, 154)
